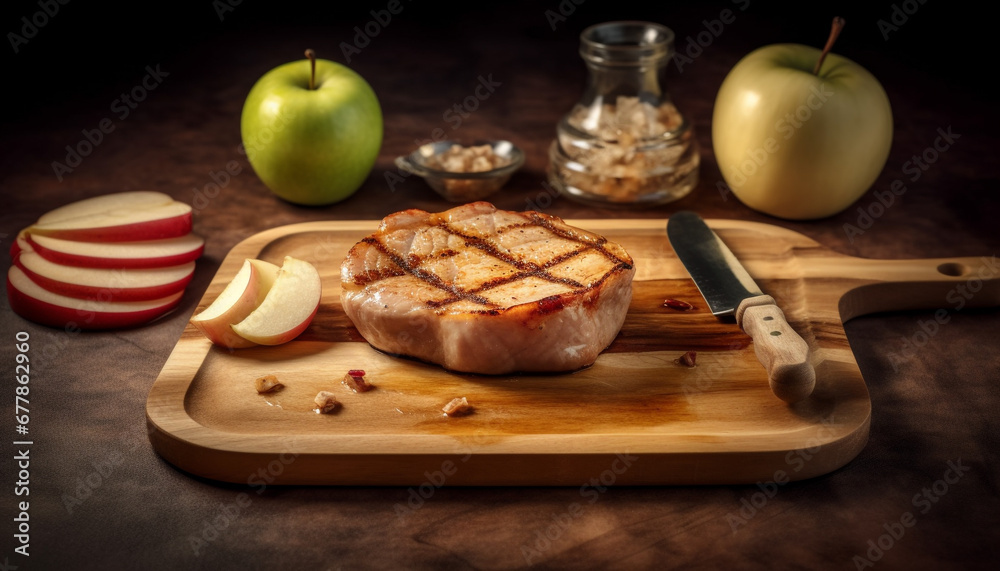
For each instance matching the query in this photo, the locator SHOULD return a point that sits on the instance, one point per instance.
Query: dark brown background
(88, 391)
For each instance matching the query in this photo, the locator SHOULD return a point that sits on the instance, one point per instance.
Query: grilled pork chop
(481, 290)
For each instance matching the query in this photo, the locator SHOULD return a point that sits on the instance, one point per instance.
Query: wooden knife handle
(779, 348)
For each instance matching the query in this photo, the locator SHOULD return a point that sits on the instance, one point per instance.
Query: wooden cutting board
(635, 417)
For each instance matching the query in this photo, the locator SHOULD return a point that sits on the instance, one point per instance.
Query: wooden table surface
(922, 494)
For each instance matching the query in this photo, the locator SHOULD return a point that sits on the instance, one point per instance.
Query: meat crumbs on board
(355, 380)
(688, 359)
(326, 402)
(458, 406)
(267, 384)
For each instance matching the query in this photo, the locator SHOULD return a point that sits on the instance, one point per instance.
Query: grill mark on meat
(410, 265)
(617, 269)
(599, 245)
(414, 260)
(490, 249)
(520, 226)
(545, 305)
(425, 276)
(377, 275)
(497, 282)
(566, 256)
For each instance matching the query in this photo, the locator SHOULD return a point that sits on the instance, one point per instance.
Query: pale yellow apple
(796, 145)
(243, 294)
(288, 308)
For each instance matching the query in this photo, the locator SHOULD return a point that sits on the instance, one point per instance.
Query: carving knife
(729, 290)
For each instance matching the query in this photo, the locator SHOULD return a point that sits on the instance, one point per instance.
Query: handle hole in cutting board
(953, 269)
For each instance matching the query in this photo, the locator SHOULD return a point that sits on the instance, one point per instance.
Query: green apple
(798, 144)
(312, 130)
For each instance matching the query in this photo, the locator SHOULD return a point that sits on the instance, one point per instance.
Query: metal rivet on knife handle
(784, 354)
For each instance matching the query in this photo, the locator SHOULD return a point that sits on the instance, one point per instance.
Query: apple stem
(838, 25)
(312, 63)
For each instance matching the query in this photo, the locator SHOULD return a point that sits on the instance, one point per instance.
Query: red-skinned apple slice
(288, 308)
(240, 297)
(141, 254)
(119, 222)
(133, 200)
(35, 303)
(102, 283)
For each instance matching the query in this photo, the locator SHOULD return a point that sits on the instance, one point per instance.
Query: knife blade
(729, 290)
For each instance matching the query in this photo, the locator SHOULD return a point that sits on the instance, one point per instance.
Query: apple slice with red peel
(140, 254)
(124, 224)
(119, 201)
(288, 308)
(35, 303)
(20, 245)
(105, 284)
(240, 297)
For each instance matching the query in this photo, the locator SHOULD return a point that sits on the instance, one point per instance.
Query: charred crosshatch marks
(411, 264)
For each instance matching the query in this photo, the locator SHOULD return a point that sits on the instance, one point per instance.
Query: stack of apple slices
(117, 260)
(263, 304)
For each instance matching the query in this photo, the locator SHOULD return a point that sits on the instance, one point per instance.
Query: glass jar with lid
(625, 142)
